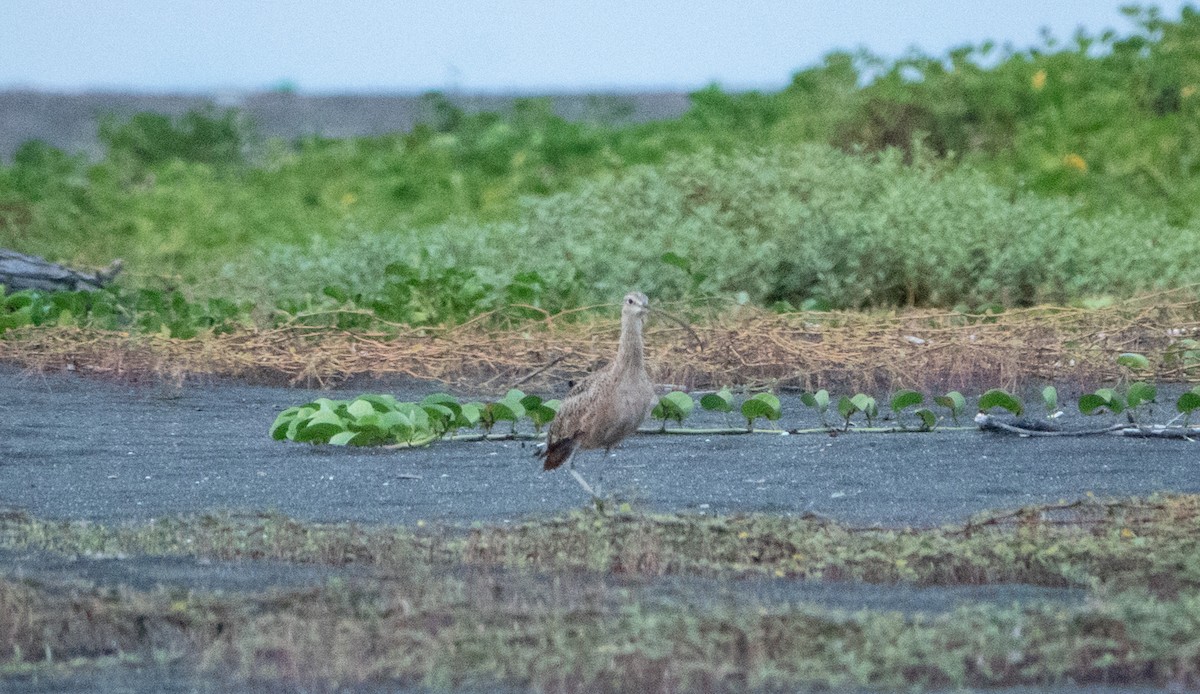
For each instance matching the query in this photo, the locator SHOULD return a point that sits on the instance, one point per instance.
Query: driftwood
(1152, 431)
(19, 271)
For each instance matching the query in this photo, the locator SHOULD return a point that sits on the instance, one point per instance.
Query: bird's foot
(583, 483)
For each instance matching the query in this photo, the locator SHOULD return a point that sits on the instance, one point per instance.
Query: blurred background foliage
(990, 176)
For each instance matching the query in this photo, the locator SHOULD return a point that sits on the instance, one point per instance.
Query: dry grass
(869, 352)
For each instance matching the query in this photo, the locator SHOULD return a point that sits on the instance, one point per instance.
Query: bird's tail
(558, 453)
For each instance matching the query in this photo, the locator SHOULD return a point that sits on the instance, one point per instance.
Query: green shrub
(784, 224)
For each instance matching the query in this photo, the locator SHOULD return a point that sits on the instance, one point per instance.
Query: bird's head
(635, 304)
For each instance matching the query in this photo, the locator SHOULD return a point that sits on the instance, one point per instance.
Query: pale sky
(327, 46)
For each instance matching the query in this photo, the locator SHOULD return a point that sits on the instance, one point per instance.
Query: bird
(610, 404)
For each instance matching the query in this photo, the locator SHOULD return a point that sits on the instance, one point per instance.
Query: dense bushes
(796, 225)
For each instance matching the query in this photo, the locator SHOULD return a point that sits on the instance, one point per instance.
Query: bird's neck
(629, 352)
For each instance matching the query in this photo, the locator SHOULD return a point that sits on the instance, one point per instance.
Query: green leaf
(998, 397)
(772, 402)
(906, 398)
(1091, 403)
(818, 400)
(505, 411)
(1050, 398)
(677, 260)
(927, 417)
(752, 409)
(361, 408)
(675, 405)
(953, 401)
(284, 420)
(720, 401)
(865, 404)
(320, 427)
(1133, 360)
(1140, 393)
(846, 407)
(530, 401)
(543, 413)
(469, 414)
(1188, 402)
(343, 438)
(1102, 399)
(439, 399)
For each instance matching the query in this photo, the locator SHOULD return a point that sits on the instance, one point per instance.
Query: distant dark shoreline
(68, 120)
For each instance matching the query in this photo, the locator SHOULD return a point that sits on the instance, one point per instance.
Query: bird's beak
(681, 323)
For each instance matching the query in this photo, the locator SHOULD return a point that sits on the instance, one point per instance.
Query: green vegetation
(450, 607)
(1063, 173)
(380, 419)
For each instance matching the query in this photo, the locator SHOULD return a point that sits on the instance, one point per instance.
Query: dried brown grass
(735, 346)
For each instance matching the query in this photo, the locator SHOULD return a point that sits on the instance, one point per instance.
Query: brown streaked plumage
(610, 404)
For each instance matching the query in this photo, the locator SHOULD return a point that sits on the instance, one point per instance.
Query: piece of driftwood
(19, 271)
(1153, 431)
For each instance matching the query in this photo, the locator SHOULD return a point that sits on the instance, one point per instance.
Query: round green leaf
(342, 438)
(1050, 398)
(1140, 393)
(1188, 402)
(998, 397)
(279, 427)
(720, 401)
(752, 409)
(818, 400)
(954, 401)
(906, 398)
(1133, 360)
(774, 409)
(361, 408)
(928, 419)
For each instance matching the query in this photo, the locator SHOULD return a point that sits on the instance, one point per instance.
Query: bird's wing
(585, 384)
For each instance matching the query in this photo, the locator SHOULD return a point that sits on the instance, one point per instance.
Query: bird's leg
(579, 478)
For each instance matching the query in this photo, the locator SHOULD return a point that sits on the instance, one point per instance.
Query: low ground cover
(435, 610)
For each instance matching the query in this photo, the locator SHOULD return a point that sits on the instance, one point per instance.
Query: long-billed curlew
(610, 404)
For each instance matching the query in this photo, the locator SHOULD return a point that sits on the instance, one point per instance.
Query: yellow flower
(1039, 80)
(743, 535)
(1127, 534)
(1187, 91)
(349, 199)
(1074, 161)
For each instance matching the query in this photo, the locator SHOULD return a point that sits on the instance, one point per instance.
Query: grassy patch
(1148, 543)
(531, 605)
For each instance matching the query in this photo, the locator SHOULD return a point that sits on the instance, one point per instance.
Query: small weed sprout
(1139, 396)
(1188, 403)
(953, 401)
(998, 397)
(508, 408)
(819, 401)
(908, 398)
(850, 406)
(675, 405)
(720, 401)
(764, 405)
(1102, 400)
(1050, 400)
(540, 412)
